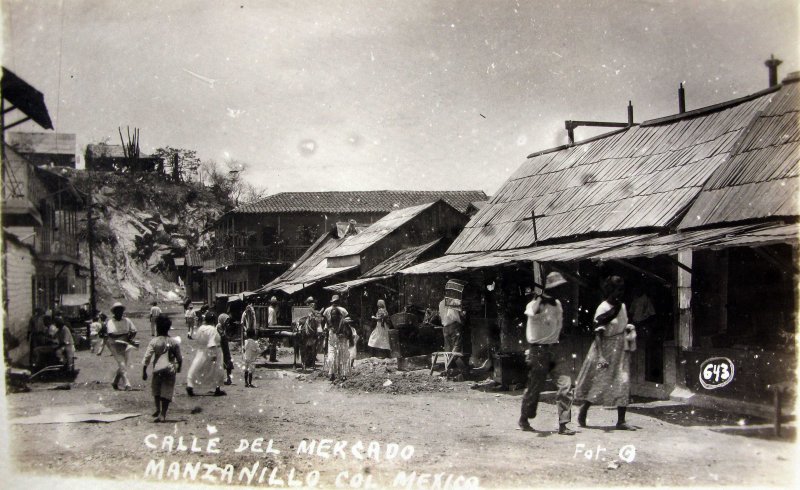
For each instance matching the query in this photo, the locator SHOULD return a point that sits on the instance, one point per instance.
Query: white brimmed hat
(554, 279)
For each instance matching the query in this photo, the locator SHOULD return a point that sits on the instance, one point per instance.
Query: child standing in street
(189, 316)
(98, 343)
(165, 352)
(251, 351)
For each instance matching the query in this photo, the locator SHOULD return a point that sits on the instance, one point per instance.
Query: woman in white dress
(379, 338)
(207, 372)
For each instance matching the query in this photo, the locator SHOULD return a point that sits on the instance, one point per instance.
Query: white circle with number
(716, 373)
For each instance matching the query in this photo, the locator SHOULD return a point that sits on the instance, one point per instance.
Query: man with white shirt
(272, 320)
(545, 319)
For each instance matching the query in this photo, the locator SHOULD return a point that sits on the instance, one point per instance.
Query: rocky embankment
(142, 223)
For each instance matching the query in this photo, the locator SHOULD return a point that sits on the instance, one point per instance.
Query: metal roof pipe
(630, 113)
(681, 99)
(772, 64)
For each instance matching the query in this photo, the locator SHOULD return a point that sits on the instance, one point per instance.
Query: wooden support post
(685, 301)
(778, 400)
(537, 277)
(722, 269)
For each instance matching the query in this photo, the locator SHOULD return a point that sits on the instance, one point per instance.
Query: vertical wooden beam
(537, 276)
(685, 301)
(722, 269)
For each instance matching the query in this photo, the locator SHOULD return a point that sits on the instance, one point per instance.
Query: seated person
(43, 341)
(66, 344)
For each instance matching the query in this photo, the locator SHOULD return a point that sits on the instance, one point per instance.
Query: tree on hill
(228, 183)
(182, 163)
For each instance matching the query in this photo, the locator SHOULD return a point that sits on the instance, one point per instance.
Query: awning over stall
(731, 236)
(315, 275)
(74, 299)
(387, 268)
(649, 245)
(564, 252)
(345, 286)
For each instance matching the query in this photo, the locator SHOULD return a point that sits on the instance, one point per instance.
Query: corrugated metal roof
(729, 236)
(385, 269)
(400, 260)
(643, 177)
(356, 244)
(761, 180)
(648, 245)
(672, 243)
(310, 268)
(767, 236)
(102, 150)
(345, 286)
(566, 252)
(193, 258)
(34, 142)
(357, 201)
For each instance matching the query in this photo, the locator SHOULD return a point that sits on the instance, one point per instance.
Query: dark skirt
(163, 384)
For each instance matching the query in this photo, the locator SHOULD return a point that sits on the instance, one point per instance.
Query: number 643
(716, 372)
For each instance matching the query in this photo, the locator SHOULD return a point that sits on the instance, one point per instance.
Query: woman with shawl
(604, 378)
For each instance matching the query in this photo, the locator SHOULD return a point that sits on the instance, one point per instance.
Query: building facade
(256, 242)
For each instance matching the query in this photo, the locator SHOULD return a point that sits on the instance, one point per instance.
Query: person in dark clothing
(227, 362)
(545, 320)
(165, 353)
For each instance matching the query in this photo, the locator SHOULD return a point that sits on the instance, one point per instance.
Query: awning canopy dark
(25, 98)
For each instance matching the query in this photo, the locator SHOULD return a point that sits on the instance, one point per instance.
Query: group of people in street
(50, 336)
(333, 327)
(604, 377)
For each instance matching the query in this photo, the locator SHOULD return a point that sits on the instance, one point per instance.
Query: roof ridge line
(700, 111)
(581, 142)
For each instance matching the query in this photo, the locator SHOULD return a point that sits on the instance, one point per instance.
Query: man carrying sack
(545, 319)
(451, 313)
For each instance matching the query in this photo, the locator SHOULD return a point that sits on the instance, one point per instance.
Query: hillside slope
(142, 222)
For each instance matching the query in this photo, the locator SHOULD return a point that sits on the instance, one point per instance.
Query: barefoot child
(251, 351)
(165, 352)
(95, 329)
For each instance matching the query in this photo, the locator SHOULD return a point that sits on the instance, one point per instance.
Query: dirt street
(448, 434)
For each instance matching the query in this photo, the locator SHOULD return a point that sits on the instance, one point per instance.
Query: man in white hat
(545, 319)
(120, 331)
(330, 338)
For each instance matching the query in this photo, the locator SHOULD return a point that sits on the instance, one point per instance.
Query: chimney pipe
(772, 64)
(681, 99)
(630, 113)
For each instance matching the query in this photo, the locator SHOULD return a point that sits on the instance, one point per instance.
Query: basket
(453, 292)
(401, 320)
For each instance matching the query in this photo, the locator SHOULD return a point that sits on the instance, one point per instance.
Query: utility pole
(90, 236)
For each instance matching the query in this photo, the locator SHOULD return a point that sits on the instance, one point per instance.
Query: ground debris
(374, 375)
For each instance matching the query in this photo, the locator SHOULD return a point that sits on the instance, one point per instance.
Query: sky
(368, 95)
